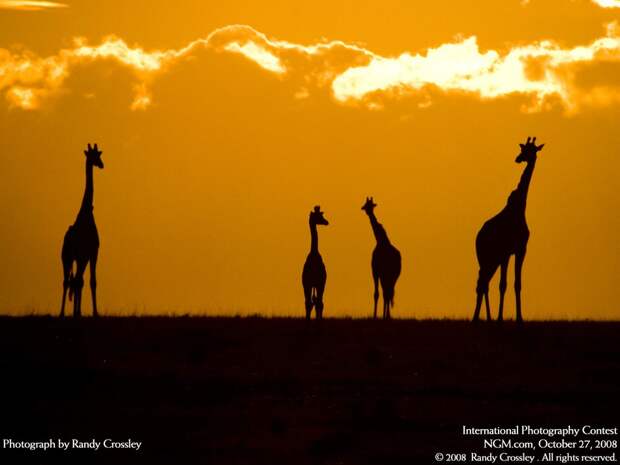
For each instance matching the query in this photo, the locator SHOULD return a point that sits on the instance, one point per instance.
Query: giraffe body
(314, 274)
(385, 262)
(81, 243)
(505, 235)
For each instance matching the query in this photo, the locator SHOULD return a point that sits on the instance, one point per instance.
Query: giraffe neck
(524, 185)
(87, 200)
(378, 229)
(314, 238)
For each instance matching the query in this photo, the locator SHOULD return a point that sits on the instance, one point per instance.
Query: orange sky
(218, 141)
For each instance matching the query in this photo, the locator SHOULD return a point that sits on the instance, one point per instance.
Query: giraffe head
(528, 151)
(369, 206)
(93, 156)
(316, 216)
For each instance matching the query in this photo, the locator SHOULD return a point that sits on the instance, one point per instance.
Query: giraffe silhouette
(385, 263)
(504, 235)
(313, 276)
(81, 243)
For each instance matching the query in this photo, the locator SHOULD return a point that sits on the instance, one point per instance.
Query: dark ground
(285, 391)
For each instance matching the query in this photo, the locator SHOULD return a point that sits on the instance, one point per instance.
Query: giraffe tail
(70, 286)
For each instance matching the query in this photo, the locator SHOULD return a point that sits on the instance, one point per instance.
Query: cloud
(607, 3)
(257, 54)
(29, 5)
(601, 3)
(28, 79)
(540, 70)
(543, 73)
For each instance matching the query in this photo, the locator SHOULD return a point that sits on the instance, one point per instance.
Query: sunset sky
(222, 124)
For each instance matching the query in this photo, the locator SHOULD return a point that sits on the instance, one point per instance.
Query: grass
(284, 390)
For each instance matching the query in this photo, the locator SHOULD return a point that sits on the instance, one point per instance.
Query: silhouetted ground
(285, 391)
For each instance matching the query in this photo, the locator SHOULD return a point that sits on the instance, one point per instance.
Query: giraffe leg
(308, 301)
(73, 293)
(319, 302)
(482, 288)
(66, 282)
(476, 317)
(65, 287)
(78, 283)
(388, 297)
(376, 295)
(519, 257)
(486, 304)
(502, 288)
(382, 283)
(93, 282)
(66, 257)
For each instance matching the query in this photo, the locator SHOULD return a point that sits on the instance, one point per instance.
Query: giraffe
(81, 243)
(313, 276)
(504, 235)
(385, 263)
